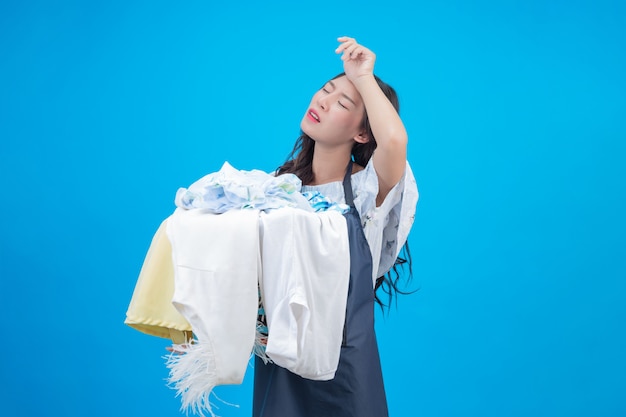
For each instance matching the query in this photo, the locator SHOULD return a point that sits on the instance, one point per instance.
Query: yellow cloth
(151, 310)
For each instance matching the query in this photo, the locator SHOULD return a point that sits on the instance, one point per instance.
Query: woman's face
(335, 114)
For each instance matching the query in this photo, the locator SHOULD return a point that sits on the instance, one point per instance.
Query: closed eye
(339, 102)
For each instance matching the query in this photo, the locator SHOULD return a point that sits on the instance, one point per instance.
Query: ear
(362, 137)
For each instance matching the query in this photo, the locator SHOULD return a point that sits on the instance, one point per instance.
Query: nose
(322, 101)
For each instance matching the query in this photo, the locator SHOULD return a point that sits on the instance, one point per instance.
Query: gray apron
(357, 389)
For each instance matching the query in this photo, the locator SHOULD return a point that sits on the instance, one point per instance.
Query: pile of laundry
(229, 189)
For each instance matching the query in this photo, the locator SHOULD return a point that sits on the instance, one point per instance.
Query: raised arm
(387, 127)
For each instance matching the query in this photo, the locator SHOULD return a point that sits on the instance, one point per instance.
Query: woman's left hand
(357, 60)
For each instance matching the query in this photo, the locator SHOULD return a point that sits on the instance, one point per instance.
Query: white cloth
(216, 264)
(302, 261)
(306, 272)
(230, 188)
(386, 227)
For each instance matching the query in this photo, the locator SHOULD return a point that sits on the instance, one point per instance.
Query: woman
(352, 115)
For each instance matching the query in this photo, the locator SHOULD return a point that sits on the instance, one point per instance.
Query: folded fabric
(230, 188)
(306, 269)
(301, 261)
(320, 202)
(150, 309)
(216, 264)
(387, 225)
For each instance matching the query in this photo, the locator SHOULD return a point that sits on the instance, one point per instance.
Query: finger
(178, 349)
(350, 51)
(344, 43)
(357, 51)
(341, 48)
(353, 50)
(345, 38)
(354, 53)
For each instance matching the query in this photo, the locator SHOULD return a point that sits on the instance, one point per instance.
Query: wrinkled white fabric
(300, 258)
(386, 227)
(306, 270)
(230, 188)
(216, 264)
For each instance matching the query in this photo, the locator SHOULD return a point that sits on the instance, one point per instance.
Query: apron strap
(347, 185)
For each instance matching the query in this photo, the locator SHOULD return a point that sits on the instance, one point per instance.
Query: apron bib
(357, 389)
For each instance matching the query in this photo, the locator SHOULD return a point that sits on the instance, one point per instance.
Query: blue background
(516, 118)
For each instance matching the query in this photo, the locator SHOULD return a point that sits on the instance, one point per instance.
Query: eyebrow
(332, 84)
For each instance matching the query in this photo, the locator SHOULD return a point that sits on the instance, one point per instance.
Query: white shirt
(386, 227)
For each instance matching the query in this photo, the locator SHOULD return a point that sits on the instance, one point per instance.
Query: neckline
(340, 182)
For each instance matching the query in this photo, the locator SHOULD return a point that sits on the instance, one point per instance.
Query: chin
(305, 129)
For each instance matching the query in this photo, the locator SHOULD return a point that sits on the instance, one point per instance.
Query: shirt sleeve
(387, 226)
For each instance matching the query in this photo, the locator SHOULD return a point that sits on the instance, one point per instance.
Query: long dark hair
(300, 163)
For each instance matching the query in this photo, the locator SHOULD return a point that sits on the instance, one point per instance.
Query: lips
(313, 116)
